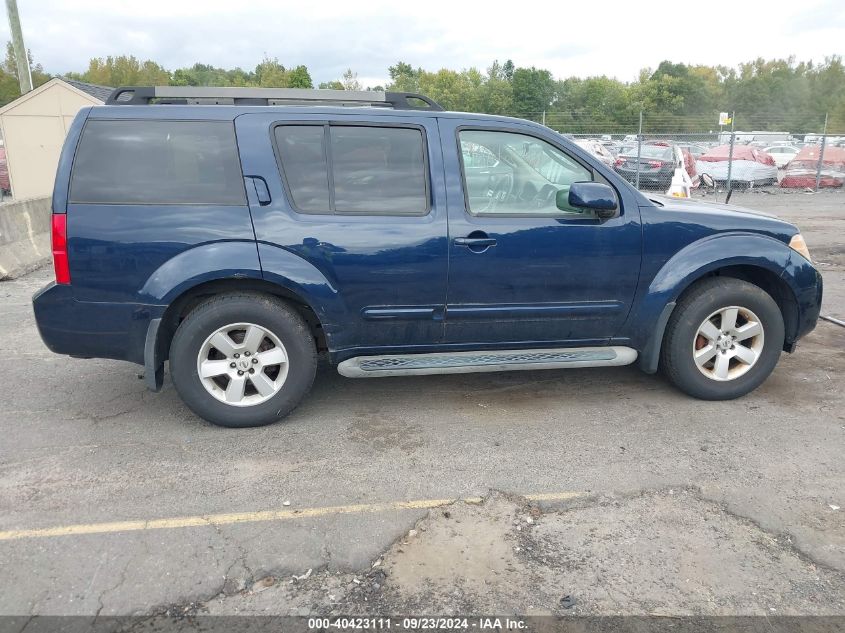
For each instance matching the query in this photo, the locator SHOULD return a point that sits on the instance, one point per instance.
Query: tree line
(775, 95)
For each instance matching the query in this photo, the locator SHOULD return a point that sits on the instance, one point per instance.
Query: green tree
(299, 77)
(123, 70)
(403, 78)
(533, 91)
(9, 85)
(269, 73)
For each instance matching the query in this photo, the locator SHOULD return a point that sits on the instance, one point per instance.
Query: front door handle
(476, 242)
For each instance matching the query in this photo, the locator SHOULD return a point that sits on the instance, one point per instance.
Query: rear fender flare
(232, 261)
(206, 262)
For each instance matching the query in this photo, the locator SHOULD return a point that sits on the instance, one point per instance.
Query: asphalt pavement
(116, 500)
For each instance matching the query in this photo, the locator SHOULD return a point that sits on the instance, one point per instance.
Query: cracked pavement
(688, 506)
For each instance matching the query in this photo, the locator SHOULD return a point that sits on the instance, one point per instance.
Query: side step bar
(498, 360)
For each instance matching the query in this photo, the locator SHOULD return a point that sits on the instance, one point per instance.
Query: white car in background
(598, 150)
(782, 154)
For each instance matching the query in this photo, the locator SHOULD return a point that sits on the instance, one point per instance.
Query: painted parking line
(253, 517)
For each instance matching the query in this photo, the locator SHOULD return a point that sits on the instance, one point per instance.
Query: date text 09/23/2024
(416, 623)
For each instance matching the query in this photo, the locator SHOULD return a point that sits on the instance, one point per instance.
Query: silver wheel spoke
(211, 368)
(745, 354)
(709, 331)
(721, 366)
(235, 390)
(729, 316)
(252, 339)
(223, 344)
(262, 384)
(243, 389)
(748, 330)
(730, 351)
(275, 356)
(705, 354)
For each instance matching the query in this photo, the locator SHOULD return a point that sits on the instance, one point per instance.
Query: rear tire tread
(282, 318)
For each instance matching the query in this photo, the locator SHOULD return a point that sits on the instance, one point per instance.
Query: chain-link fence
(650, 155)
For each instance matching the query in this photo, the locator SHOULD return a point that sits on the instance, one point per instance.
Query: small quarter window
(302, 151)
(157, 162)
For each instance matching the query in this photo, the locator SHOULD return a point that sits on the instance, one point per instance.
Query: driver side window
(507, 173)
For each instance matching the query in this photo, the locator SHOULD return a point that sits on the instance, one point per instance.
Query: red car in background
(5, 187)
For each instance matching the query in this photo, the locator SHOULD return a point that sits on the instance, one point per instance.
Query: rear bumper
(647, 179)
(92, 329)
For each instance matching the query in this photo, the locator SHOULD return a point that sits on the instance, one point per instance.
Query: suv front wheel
(242, 360)
(723, 339)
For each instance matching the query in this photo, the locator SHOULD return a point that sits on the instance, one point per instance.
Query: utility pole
(731, 158)
(821, 154)
(21, 58)
(639, 151)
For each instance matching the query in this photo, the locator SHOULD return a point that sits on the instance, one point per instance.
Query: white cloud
(569, 38)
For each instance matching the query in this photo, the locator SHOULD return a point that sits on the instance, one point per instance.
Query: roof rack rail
(206, 95)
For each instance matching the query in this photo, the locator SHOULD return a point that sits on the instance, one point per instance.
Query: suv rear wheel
(723, 340)
(242, 360)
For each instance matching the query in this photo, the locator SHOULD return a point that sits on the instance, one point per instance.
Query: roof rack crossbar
(206, 95)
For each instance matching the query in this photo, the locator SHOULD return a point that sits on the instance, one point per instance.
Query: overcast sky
(582, 38)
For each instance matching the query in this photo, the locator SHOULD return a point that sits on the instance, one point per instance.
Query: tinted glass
(157, 162)
(515, 174)
(303, 156)
(378, 170)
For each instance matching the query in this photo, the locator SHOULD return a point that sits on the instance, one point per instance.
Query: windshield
(651, 151)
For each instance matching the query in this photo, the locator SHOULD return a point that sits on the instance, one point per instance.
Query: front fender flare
(691, 263)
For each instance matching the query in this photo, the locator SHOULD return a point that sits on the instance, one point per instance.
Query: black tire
(265, 311)
(699, 302)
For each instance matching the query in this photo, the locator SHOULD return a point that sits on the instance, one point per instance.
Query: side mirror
(708, 181)
(595, 196)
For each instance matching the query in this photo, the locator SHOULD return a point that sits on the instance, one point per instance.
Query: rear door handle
(262, 191)
(475, 242)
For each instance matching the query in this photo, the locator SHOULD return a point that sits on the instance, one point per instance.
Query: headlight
(798, 244)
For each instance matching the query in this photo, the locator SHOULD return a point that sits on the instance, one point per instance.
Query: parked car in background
(782, 154)
(656, 164)
(401, 240)
(695, 150)
(612, 146)
(598, 150)
(750, 166)
(803, 169)
(5, 187)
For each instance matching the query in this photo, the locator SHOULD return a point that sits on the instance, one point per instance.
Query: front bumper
(87, 329)
(809, 298)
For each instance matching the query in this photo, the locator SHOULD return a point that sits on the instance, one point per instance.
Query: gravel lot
(595, 491)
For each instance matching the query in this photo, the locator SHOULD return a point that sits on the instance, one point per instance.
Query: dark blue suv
(237, 233)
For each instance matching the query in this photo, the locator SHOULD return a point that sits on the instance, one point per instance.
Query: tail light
(59, 237)
(619, 162)
(655, 163)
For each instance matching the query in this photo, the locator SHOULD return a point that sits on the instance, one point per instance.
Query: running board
(497, 360)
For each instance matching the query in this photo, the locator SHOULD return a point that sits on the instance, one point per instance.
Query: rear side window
(355, 170)
(157, 162)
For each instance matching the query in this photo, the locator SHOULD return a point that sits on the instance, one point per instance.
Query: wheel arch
(189, 299)
(761, 260)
